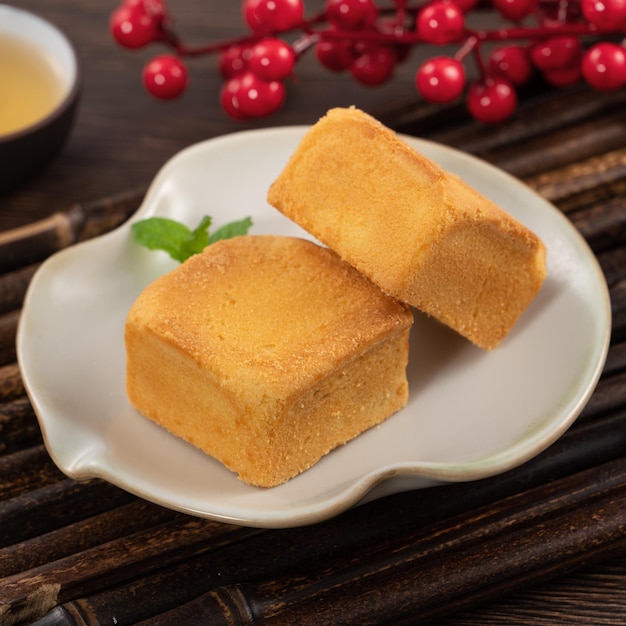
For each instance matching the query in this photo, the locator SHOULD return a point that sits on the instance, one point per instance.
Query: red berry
(512, 63)
(255, 97)
(440, 22)
(334, 55)
(229, 98)
(466, 5)
(441, 79)
(273, 16)
(604, 66)
(491, 100)
(374, 65)
(564, 76)
(165, 77)
(351, 14)
(155, 8)
(249, 8)
(234, 60)
(515, 9)
(133, 27)
(604, 13)
(272, 59)
(556, 53)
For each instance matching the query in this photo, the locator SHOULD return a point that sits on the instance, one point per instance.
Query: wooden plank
(75, 538)
(34, 242)
(13, 286)
(110, 563)
(544, 114)
(26, 470)
(600, 177)
(8, 329)
(18, 425)
(305, 554)
(465, 560)
(603, 224)
(11, 385)
(55, 505)
(592, 596)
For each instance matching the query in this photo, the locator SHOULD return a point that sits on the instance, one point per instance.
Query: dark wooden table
(542, 544)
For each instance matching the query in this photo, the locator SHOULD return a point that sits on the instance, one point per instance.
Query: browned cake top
(281, 308)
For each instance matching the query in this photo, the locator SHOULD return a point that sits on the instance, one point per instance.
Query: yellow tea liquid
(29, 86)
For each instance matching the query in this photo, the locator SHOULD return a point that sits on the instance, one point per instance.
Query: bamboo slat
(32, 243)
(388, 526)
(446, 566)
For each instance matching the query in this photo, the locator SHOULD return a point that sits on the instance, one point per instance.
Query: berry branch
(565, 41)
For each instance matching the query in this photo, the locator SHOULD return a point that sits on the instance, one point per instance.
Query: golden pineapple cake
(266, 352)
(419, 232)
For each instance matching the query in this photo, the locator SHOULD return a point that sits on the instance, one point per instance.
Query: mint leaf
(198, 239)
(233, 229)
(180, 242)
(161, 233)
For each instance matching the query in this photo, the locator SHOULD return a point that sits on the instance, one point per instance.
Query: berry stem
(401, 11)
(468, 37)
(205, 49)
(470, 45)
(538, 32)
(478, 59)
(301, 45)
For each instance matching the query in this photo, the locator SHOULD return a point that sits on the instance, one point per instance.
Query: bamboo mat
(90, 553)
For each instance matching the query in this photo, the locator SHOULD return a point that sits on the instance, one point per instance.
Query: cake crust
(266, 353)
(420, 233)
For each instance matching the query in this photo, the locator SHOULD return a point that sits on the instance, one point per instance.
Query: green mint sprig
(179, 241)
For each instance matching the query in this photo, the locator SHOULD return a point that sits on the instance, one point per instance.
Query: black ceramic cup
(25, 151)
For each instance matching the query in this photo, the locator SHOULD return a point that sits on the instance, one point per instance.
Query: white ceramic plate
(471, 413)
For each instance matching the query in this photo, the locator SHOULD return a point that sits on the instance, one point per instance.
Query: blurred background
(128, 135)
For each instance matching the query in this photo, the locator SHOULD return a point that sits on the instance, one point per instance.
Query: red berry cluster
(564, 40)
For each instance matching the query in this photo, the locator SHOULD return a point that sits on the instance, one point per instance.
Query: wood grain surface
(542, 544)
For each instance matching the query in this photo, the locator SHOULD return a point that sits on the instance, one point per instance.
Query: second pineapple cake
(420, 233)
